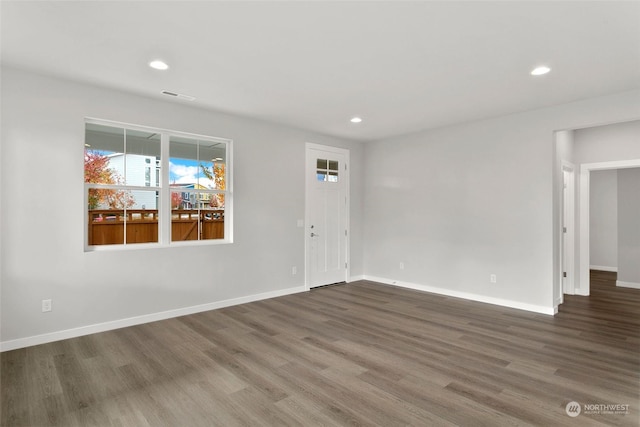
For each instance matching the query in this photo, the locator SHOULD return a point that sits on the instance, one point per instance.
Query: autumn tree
(176, 200)
(97, 171)
(217, 175)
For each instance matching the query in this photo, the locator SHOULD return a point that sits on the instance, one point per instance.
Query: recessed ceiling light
(356, 120)
(538, 71)
(158, 65)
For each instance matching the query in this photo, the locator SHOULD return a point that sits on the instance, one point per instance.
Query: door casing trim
(585, 172)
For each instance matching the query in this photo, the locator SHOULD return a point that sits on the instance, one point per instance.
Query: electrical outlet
(493, 278)
(402, 266)
(294, 270)
(46, 305)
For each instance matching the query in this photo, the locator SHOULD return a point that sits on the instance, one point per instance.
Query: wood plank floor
(356, 354)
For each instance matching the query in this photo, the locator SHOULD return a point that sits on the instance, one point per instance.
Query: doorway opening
(585, 254)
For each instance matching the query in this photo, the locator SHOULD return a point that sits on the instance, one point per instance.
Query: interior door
(326, 227)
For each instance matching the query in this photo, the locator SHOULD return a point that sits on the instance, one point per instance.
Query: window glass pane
(212, 163)
(212, 175)
(184, 217)
(106, 226)
(183, 162)
(321, 175)
(321, 164)
(196, 162)
(141, 222)
(103, 154)
(333, 165)
(202, 219)
(212, 220)
(142, 151)
(333, 176)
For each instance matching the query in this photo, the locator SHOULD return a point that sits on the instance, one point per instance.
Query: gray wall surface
(42, 218)
(603, 219)
(629, 225)
(476, 199)
(617, 141)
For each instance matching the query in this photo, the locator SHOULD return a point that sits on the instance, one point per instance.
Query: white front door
(326, 226)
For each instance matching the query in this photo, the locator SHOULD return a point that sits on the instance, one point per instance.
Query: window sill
(143, 246)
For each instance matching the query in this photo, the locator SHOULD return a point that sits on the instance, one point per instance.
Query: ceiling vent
(179, 95)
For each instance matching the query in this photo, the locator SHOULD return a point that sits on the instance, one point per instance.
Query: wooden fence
(107, 226)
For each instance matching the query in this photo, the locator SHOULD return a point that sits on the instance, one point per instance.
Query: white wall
(564, 145)
(457, 204)
(629, 227)
(603, 220)
(42, 223)
(617, 141)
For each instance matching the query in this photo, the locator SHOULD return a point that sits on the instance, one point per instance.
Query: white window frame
(164, 192)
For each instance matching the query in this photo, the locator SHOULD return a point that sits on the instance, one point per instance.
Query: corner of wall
(551, 310)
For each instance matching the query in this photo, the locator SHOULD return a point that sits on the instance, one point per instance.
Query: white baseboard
(581, 292)
(631, 285)
(603, 268)
(355, 278)
(468, 296)
(138, 320)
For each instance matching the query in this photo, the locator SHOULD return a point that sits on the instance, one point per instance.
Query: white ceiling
(401, 66)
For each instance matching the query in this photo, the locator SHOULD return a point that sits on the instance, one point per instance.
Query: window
(198, 193)
(186, 198)
(327, 170)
